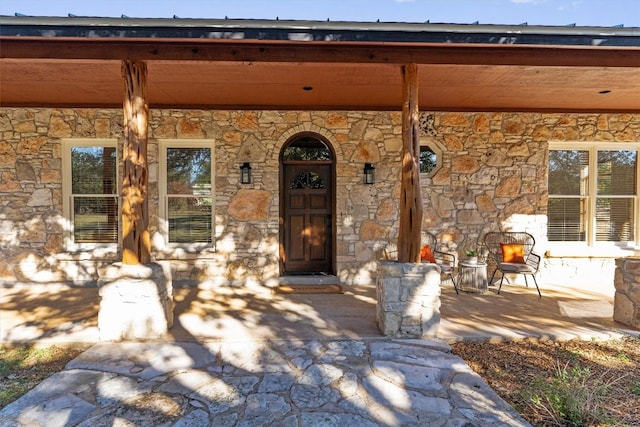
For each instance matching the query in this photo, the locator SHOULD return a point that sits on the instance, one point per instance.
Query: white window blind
(568, 191)
(593, 194)
(616, 190)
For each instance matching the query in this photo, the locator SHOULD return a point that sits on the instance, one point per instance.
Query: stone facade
(493, 174)
(626, 307)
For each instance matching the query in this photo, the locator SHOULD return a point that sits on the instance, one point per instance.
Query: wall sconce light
(245, 173)
(369, 173)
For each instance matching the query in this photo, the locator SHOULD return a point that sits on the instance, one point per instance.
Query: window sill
(581, 250)
(108, 253)
(184, 254)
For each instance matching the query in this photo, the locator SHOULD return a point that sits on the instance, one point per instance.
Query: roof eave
(328, 31)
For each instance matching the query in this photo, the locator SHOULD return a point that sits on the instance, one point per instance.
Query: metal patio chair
(445, 260)
(513, 253)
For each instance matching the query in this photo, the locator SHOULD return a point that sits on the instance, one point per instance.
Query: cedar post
(136, 242)
(410, 197)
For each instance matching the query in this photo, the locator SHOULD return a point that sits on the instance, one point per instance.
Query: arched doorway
(307, 204)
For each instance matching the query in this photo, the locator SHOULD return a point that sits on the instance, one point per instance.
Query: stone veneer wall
(494, 172)
(626, 307)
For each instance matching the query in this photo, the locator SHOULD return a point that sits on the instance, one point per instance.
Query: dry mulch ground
(599, 378)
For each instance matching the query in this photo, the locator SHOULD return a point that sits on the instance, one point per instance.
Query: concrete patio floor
(64, 314)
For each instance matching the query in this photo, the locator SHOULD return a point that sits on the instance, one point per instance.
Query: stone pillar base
(626, 304)
(136, 301)
(408, 297)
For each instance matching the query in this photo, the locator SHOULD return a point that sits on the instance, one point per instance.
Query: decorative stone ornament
(427, 125)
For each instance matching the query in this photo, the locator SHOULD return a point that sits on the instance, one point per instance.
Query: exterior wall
(493, 175)
(626, 308)
(31, 222)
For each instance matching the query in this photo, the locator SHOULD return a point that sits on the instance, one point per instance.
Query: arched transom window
(307, 149)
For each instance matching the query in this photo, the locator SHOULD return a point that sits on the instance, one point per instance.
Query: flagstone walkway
(376, 382)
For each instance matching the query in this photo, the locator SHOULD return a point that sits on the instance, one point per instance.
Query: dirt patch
(522, 372)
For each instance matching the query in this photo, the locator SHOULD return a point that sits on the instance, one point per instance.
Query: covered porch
(306, 68)
(64, 314)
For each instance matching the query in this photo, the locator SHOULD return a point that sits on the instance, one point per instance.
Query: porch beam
(410, 197)
(136, 242)
(334, 52)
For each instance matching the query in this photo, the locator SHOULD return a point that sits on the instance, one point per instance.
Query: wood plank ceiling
(37, 71)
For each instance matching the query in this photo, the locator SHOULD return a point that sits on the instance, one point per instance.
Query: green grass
(573, 397)
(23, 367)
(623, 357)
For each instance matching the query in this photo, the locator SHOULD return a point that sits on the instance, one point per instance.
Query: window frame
(592, 195)
(67, 195)
(163, 197)
(435, 148)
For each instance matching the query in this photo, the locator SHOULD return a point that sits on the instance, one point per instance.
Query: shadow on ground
(250, 355)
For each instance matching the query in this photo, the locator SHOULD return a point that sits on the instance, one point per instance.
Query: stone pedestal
(626, 305)
(408, 297)
(136, 301)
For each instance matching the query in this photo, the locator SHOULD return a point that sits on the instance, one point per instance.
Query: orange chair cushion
(512, 252)
(426, 255)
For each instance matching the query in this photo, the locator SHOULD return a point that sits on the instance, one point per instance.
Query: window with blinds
(568, 191)
(189, 199)
(93, 198)
(592, 195)
(616, 183)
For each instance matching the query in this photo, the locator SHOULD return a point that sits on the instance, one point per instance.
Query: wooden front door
(307, 217)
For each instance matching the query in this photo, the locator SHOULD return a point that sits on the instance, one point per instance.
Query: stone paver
(364, 382)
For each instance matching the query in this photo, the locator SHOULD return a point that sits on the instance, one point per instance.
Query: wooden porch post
(136, 242)
(410, 197)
